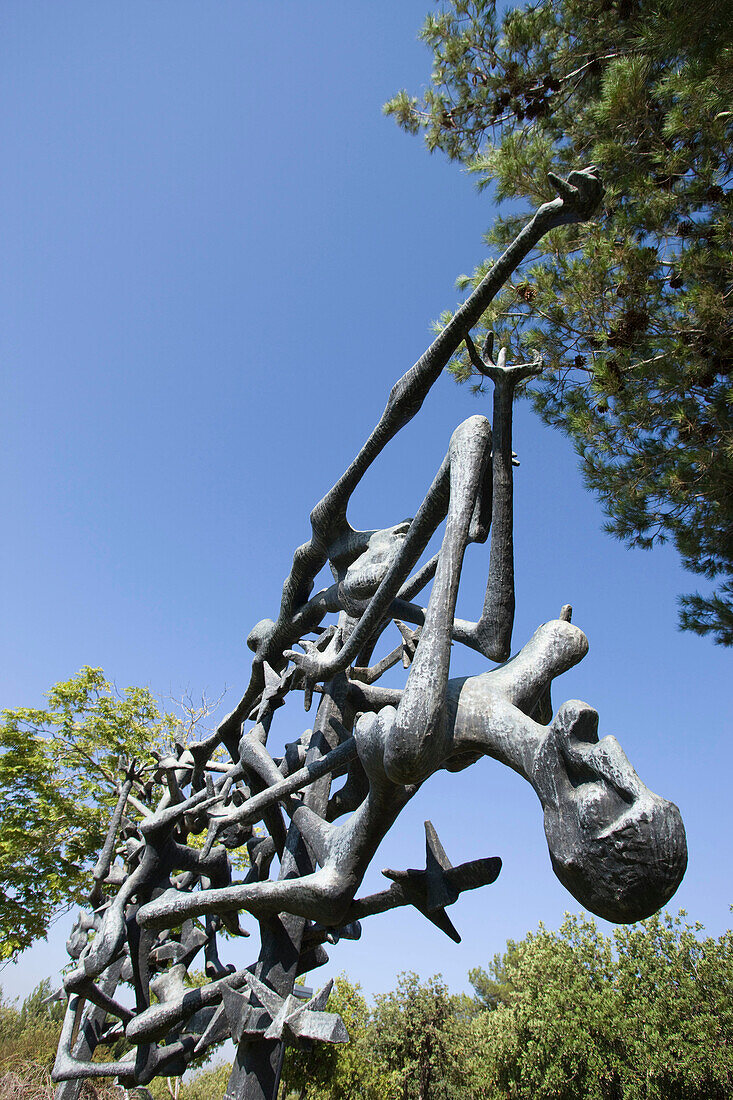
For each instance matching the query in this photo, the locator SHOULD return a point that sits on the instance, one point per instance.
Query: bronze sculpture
(616, 846)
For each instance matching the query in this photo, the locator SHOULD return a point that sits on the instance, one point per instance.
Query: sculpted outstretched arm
(493, 511)
(496, 713)
(492, 633)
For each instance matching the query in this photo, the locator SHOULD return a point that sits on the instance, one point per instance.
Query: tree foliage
(330, 1072)
(632, 313)
(58, 783)
(29, 1035)
(647, 1014)
(417, 1038)
(406, 1048)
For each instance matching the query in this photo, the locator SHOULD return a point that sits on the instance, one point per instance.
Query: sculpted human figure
(617, 847)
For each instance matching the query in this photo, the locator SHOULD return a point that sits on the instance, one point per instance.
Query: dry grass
(29, 1081)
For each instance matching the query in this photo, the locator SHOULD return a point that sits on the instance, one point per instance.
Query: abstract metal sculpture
(618, 848)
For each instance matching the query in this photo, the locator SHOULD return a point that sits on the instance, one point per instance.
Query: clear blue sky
(218, 256)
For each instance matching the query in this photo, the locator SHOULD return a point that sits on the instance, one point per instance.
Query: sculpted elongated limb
(490, 714)
(491, 635)
(415, 744)
(342, 851)
(493, 631)
(577, 200)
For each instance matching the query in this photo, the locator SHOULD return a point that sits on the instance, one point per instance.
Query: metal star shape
(211, 1034)
(440, 884)
(281, 1017)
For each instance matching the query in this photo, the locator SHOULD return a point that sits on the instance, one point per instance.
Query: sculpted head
(360, 561)
(616, 846)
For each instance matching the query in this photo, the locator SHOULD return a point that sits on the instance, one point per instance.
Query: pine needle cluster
(632, 312)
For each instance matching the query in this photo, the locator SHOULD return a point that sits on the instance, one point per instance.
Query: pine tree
(631, 313)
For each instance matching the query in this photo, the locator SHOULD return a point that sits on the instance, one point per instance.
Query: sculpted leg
(493, 503)
(415, 745)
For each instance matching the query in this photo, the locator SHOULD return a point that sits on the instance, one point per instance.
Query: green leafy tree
(494, 987)
(29, 1035)
(418, 1041)
(59, 779)
(338, 1072)
(631, 313)
(646, 1015)
(677, 993)
(407, 1047)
